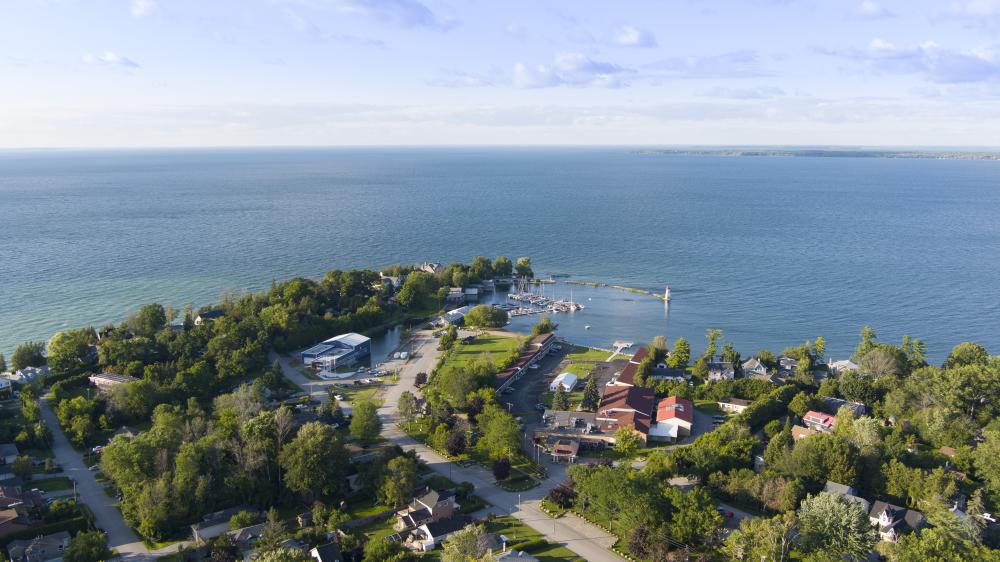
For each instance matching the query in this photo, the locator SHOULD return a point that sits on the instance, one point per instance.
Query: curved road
(586, 540)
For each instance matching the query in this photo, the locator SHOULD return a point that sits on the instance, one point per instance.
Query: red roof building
(819, 421)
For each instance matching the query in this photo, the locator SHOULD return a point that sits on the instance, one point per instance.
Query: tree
(627, 440)
(398, 481)
(523, 267)
(283, 554)
(562, 494)
(802, 403)
(3, 364)
(560, 400)
(420, 379)
(314, 462)
(762, 539)
(712, 335)
(418, 287)
(975, 522)
(67, 349)
(365, 425)
(681, 354)
(857, 387)
(28, 354)
(88, 546)
(967, 353)
(454, 444)
(486, 316)
(384, 550)
(829, 523)
(407, 406)
(544, 326)
(469, 544)
(150, 319)
(502, 266)
(591, 395)
(501, 434)
(867, 342)
(242, 519)
(879, 363)
(501, 468)
(21, 467)
(819, 349)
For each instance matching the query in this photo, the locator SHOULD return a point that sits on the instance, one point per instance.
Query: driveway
(91, 492)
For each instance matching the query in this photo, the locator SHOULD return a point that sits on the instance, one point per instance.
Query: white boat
(587, 327)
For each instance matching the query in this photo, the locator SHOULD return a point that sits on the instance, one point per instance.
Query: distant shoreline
(826, 153)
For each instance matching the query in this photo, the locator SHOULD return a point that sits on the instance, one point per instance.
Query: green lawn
(581, 354)
(51, 484)
(581, 370)
(497, 346)
(575, 398)
(518, 532)
(357, 393)
(710, 407)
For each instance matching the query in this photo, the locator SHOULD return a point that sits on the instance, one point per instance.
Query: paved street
(91, 492)
(586, 540)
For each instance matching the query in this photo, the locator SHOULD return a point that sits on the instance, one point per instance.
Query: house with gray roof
(893, 521)
(848, 493)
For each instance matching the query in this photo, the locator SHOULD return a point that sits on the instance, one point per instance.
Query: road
(91, 492)
(588, 541)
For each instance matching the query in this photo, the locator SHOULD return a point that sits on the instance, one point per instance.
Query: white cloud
(936, 63)
(630, 36)
(403, 13)
(735, 64)
(109, 58)
(758, 93)
(571, 69)
(140, 8)
(872, 10)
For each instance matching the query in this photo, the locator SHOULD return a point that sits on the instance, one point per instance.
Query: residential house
(328, 552)
(427, 536)
(14, 519)
(663, 373)
(721, 371)
(835, 404)
(471, 294)
(848, 493)
(513, 556)
(394, 281)
(46, 548)
(819, 421)
(125, 431)
(28, 375)
(428, 507)
(566, 380)
(105, 381)
(431, 267)
(626, 406)
(787, 366)
(455, 296)
(753, 367)
(893, 521)
(208, 316)
(734, 405)
(246, 537)
(674, 419)
(842, 366)
(338, 351)
(799, 432)
(6, 387)
(8, 453)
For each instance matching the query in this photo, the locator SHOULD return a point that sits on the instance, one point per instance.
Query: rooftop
(675, 407)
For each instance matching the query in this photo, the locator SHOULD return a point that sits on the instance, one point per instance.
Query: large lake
(771, 250)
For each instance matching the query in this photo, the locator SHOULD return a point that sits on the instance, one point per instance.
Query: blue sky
(127, 73)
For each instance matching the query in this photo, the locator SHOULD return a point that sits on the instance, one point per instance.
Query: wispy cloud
(454, 78)
(403, 13)
(936, 63)
(631, 36)
(975, 14)
(308, 27)
(109, 58)
(735, 64)
(758, 93)
(872, 11)
(140, 8)
(571, 69)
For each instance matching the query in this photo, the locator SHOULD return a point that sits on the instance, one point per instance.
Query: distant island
(826, 153)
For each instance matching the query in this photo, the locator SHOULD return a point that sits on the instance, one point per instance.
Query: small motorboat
(587, 327)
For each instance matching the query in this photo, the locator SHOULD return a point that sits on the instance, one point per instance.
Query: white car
(338, 397)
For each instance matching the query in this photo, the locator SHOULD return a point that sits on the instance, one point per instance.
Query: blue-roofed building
(340, 351)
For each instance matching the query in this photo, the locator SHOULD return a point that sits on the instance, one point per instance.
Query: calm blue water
(771, 250)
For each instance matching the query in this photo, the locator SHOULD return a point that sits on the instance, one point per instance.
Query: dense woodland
(213, 428)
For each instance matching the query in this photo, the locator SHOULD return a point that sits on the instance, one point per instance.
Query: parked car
(724, 513)
(94, 468)
(541, 407)
(338, 396)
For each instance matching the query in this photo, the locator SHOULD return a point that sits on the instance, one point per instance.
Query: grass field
(581, 354)
(357, 393)
(710, 407)
(581, 370)
(51, 484)
(497, 346)
(517, 532)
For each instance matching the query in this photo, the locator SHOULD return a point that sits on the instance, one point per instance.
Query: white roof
(352, 339)
(664, 429)
(844, 365)
(566, 379)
